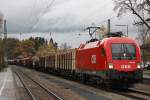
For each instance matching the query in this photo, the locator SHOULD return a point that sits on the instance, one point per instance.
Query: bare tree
(65, 46)
(143, 34)
(136, 7)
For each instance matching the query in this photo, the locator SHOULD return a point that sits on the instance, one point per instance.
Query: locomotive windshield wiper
(130, 54)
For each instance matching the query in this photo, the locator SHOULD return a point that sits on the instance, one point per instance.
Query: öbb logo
(93, 59)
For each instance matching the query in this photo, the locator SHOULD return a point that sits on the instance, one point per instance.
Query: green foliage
(38, 42)
(26, 48)
(11, 45)
(42, 47)
(46, 49)
(2, 63)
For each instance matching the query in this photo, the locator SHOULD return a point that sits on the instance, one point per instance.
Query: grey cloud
(62, 16)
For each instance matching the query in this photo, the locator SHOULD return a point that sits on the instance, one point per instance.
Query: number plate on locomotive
(125, 66)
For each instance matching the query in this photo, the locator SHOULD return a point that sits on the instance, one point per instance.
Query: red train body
(89, 57)
(114, 59)
(98, 55)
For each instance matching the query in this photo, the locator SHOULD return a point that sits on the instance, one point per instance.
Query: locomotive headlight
(110, 65)
(138, 66)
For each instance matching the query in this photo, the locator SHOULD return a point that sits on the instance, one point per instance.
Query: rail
(56, 97)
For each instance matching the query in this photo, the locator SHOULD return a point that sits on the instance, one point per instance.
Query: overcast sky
(60, 15)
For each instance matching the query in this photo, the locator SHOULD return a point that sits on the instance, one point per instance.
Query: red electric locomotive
(114, 59)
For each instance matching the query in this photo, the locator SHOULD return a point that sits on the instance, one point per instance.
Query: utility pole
(1, 24)
(108, 26)
(5, 39)
(50, 37)
(5, 30)
(20, 36)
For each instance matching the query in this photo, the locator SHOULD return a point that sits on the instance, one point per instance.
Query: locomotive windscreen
(123, 51)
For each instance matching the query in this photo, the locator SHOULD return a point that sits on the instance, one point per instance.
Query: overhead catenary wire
(40, 15)
(27, 23)
(104, 5)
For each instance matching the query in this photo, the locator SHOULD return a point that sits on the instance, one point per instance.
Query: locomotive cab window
(123, 51)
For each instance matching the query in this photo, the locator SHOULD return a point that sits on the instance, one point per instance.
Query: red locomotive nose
(124, 56)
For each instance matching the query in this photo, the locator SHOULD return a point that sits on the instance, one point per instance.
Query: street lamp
(125, 26)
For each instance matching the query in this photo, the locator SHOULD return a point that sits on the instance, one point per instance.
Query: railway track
(133, 94)
(129, 93)
(146, 81)
(35, 90)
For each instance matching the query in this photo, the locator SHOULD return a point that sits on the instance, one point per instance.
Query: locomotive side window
(103, 52)
(123, 51)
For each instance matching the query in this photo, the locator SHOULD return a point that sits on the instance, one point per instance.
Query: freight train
(111, 61)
